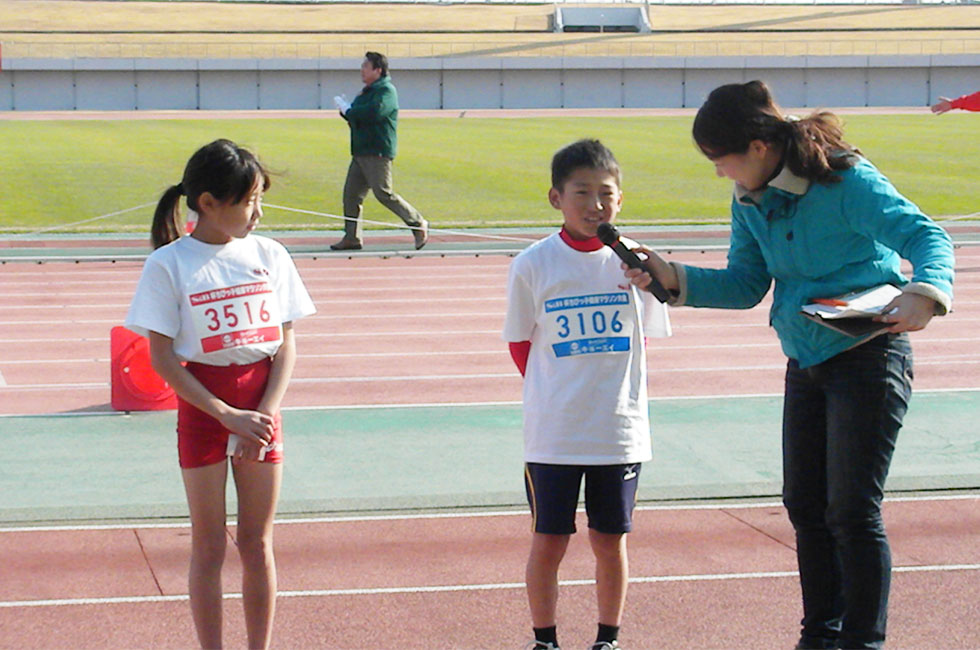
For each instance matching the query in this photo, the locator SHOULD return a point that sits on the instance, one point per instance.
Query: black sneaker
(346, 245)
(421, 234)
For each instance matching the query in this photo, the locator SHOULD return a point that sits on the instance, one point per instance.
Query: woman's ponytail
(734, 115)
(815, 147)
(166, 218)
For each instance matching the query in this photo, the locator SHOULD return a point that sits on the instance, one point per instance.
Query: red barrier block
(135, 385)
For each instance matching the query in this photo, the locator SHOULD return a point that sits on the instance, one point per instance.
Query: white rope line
(442, 231)
(964, 217)
(78, 223)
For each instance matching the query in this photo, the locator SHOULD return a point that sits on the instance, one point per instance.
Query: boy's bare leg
(611, 575)
(541, 577)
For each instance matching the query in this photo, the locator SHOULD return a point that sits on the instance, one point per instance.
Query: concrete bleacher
(478, 82)
(62, 55)
(600, 19)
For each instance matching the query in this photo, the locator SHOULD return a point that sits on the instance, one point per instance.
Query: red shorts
(202, 440)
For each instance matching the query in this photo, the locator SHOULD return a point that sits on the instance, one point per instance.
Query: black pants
(840, 422)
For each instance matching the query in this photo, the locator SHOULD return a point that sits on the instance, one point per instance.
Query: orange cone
(135, 385)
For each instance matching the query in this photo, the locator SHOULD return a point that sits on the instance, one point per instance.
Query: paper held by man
(852, 313)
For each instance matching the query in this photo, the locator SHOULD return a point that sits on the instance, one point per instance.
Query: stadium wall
(470, 83)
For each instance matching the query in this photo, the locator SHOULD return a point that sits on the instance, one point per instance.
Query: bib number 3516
(227, 316)
(230, 317)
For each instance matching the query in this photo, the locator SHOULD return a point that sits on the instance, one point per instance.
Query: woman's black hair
(734, 115)
(221, 168)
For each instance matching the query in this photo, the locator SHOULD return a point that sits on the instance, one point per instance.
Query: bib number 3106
(589, 324)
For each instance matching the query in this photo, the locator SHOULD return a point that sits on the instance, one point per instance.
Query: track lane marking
(429, 589)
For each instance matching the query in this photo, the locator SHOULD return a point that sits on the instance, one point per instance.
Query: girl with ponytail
(815, 218)
(217, 306)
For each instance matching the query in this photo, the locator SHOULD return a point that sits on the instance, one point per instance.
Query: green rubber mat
(359, 460)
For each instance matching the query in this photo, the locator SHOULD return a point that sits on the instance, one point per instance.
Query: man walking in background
(373, 121)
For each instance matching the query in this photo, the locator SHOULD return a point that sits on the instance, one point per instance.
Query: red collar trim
(584, 245)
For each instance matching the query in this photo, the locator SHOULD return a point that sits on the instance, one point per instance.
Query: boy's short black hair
(589, 153)
(378, 61)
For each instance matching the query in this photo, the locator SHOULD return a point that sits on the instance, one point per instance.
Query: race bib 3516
(229, 317)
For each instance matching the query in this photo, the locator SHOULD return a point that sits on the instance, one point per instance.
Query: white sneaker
(538, 645)
(605, 645)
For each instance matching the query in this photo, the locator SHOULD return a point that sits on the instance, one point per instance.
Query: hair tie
(180, 188)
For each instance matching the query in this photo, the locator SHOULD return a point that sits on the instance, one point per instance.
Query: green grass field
(458, 172)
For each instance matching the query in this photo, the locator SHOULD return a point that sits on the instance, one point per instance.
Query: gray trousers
(372, 173)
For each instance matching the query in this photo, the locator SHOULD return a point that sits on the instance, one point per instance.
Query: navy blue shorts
(610, 495)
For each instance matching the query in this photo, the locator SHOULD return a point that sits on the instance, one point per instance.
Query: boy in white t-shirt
(576, 330)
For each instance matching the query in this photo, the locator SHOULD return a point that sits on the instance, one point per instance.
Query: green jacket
(373, 120)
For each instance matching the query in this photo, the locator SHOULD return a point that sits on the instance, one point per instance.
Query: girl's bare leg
(205, 488)
(258, 493)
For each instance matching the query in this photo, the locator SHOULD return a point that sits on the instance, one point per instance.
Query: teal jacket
(819, 241)
(373, 120)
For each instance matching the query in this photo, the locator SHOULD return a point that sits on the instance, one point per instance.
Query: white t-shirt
(585, 387)
(222, 304)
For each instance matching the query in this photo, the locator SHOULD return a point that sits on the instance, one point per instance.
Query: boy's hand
(656, 266)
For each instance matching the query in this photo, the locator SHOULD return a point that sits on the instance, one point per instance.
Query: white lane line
(339, 355)
(727, 505)
(453, 405)
(395, 299)
(474, 376)
(429, 589)
(388, 300)
(660, 345)
(680, 320)
(311, 276)
(341, 317)
(314, 291)
(79, 386)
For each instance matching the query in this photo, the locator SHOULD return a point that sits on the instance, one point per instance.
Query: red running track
(408, 331)
(405, 331)
(718, 577)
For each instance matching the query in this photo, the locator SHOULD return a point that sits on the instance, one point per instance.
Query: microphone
(609, 236)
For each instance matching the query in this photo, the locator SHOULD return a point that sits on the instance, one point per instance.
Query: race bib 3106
(592, 324)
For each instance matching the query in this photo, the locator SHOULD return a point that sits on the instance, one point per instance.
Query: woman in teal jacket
(810, 213)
